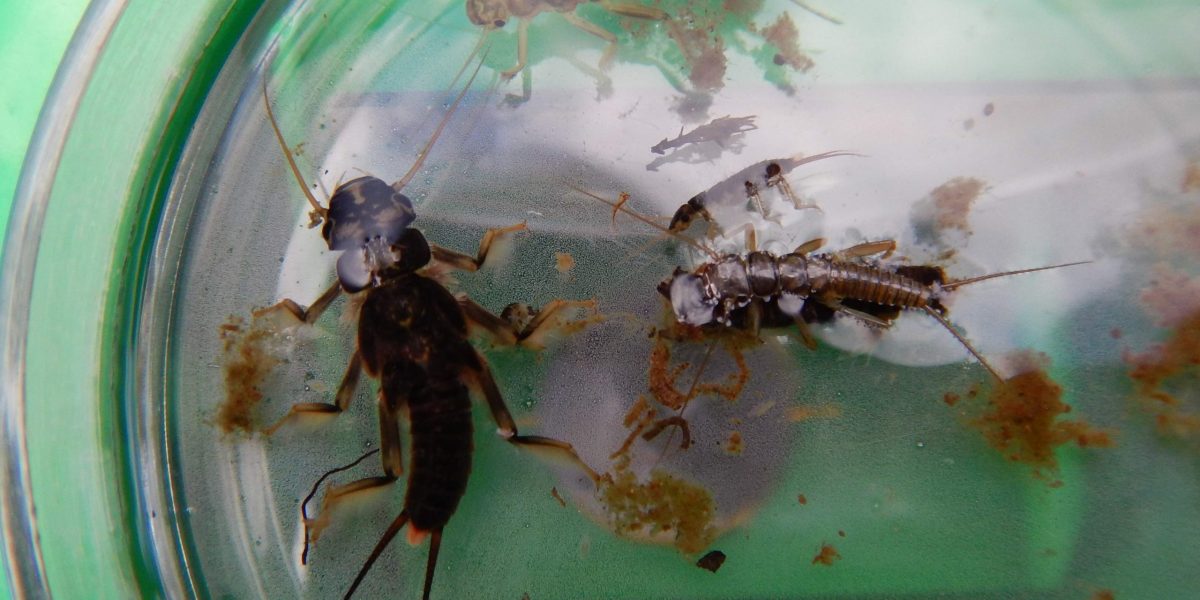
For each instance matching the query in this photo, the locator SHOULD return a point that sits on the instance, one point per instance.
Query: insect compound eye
(773, 169)
(354, 270)
(690, 301)
(498, 23)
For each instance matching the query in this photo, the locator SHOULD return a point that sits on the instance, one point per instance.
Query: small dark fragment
(712, 561)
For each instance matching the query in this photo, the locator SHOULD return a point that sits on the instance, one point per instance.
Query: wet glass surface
(892, 447)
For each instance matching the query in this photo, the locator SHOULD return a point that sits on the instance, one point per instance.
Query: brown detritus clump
(799, 414)
(1152, 369)
(1168, 232)
(1104, 594)
(952, 202)
(802, 499)
(643, 415)
(1021, 418)
(1191, 177)
(704, 51)
(564, 262)
(826, 555)
(1171, 297)
(841, 533)
(664, 376)
(785, 37)
(250, 352)
(951, 398)
(664, 505)
(711, 561)
(558, 497)
(734, 444)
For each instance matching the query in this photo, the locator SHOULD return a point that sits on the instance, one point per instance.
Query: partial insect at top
(366, 216)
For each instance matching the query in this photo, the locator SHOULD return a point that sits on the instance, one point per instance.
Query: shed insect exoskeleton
(413, 338)
(494, 14)
(760, 290)
(746, 186)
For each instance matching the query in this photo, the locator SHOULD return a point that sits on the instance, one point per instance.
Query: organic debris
(663, 505)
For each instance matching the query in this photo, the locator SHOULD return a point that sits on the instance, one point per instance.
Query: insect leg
(511, 332)
(637, 11)
(341, 401)
(316, 486)
(309, 315)
(393, 466)
(508, 427)
(522, 49)
(865, 249)
(609, 51)
(468, 263)
(786, 188)
(806, 335)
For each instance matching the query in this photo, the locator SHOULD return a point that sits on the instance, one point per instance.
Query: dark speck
(712, 561)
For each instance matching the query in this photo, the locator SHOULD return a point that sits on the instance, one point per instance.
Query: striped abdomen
(442, 442)
(867, 283)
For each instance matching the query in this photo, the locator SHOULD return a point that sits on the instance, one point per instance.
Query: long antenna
(962, 340)
(399, 185)
(287, 153)
(621, 207)
(961, 282)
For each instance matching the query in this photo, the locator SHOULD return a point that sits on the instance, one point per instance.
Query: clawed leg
(609, 51)
(867, 318)
(341, 401)
(806, 335)
(309, 315)
(786, 188)
(393, 467)
(522, 49)
(865, 249)
(520, 325)
(465, 262)
(507, 427)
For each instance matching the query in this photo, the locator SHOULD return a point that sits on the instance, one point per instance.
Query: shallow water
(1081, 135)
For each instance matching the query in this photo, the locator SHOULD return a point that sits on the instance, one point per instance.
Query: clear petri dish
(886, 462)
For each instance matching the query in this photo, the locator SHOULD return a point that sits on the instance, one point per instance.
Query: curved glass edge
(23, 562)
(106, 195)
(147, 279)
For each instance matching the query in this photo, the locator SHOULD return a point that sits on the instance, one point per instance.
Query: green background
(33, 36)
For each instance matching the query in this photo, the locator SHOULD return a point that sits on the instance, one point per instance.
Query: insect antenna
(816, 12)
(933, 312)
(961, 282)
(318, 211)
(962, 340)
(622, 208)
(392, 530)
(309, 497)
(403, 181)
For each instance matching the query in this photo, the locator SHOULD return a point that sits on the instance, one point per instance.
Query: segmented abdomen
(442, 442)
(875, 285)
